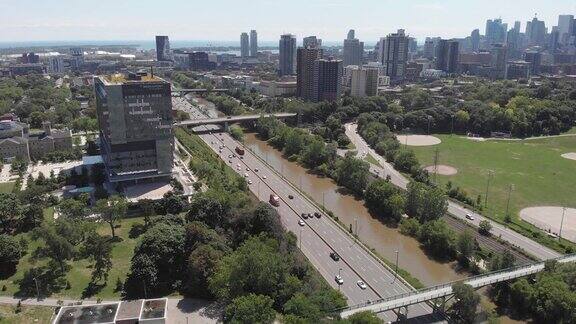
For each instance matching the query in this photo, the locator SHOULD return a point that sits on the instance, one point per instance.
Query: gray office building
(447, 56)
(287, 55)
(253, 43)
(353, 50)
(244, 45)
(135, 119)
(393, 54)
(162, 48)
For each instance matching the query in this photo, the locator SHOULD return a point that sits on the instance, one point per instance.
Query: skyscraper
(513, 41)
(565, 28)
(429, 48)
(475, 39)
(253, 43)
(351, 34)
(244, 45)
(393, 54)
(353, 50)
(311, 41)
(287, 54)
(327, 80)
(306, 59)
(363, 81)
(135, 119)
(535, 60)
(496, 31)
(162, 48)
(499, 59)
(447, 56)
(536, 32)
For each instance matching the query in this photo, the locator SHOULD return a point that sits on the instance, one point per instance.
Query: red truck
(239, 150)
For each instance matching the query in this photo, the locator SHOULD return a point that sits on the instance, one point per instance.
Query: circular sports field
(571, 156)
(418, 140)
(548, 218)
(441, 170)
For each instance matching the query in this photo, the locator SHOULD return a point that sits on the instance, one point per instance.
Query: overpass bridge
(440, 292)
(230, 119)
(183, 92)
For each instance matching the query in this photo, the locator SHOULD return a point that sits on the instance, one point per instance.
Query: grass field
(80, 271)
(370, 159)
(28, 315)
(540, 176)
(6, 187)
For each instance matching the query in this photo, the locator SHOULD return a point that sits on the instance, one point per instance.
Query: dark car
(317, 214)
(290, 197)
(334, 256)
(304, 215)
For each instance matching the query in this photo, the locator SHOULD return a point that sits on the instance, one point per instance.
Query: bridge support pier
(439, 305)
(402, 314)
(226, 127)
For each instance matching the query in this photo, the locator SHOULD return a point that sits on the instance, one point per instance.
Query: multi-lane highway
(533, 248)
(318, 237)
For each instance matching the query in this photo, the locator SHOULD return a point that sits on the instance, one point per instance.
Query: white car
(249, 181)
(245, 175)
(247, 169)
(230, 156)
(263, 177)
(361, 284)
(301, 223)
(339, 279)
(469, 216)
(238, 165)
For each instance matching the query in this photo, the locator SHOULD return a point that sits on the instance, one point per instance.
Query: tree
(484, 227)
(209, 210)
(425, 202)
(302, 307)
(112, 210)
(365, 317)
(383, 198)
(251, 308)
(466, 302)
(521, 295)
(73, 208)
(502, 260)
(315, 153)
(437, 238)
(56, 246)
(31, 217)
(100, 249)
(201, 264)
(466, 246)
(352, 173)
(10, 253)
(10, 211)
(406, 160)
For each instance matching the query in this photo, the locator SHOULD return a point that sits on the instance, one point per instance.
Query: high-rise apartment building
(311, 41)
(305, 65)
(253, 43)
(287, 55)
(327, 79)
(353, 51)
(475, 40)
(244, 45)
(513, 41)
(162, 48)
(135, 119)
(393, 54)
(363, 80)
(536, 32)
(495, 31)
(535, 60)
(447, 53)
(565, 28)
(429, 48)
(499, 59)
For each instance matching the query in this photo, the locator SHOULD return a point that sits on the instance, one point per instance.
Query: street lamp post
(339, 276)
(490, 175)
(396, 271)
(561, 223)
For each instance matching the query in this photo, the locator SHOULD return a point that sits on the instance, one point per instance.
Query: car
(469, 216)
(309, 215)
(229, 161)
(255, 170)
(301, 223)
(234, 155)
(339, 279)
(317, 214)
(263, 177)
(241, 157)
(304, 215)
(249, 181)
(290, 197)
(238, 165)
(245, 175)
(361, 284)
(230, 156)
(220, 151)
(247, 169)
(334, 256)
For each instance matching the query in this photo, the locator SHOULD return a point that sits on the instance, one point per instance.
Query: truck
(274, 200)
(239, 150)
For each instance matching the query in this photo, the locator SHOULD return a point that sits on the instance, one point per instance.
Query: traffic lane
(311, 245)
(373, 273)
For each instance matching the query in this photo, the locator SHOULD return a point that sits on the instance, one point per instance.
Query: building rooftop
(121, 78)
(92, 314)
(153, 309)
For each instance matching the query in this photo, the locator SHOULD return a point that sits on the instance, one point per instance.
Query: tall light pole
(396, 271)
(490, 175)
(562, 223)
(510, 189)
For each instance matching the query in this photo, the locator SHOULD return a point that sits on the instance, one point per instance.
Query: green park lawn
(539, 174)
(6, 187)
(80, 270)
(28, 314)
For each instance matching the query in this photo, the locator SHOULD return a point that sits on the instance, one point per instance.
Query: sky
(224, 20)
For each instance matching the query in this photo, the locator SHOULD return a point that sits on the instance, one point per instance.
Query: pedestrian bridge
(183, 92)
(441, 291)
(231, 119)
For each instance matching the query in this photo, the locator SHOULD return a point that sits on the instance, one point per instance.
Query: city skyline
(371, 19)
